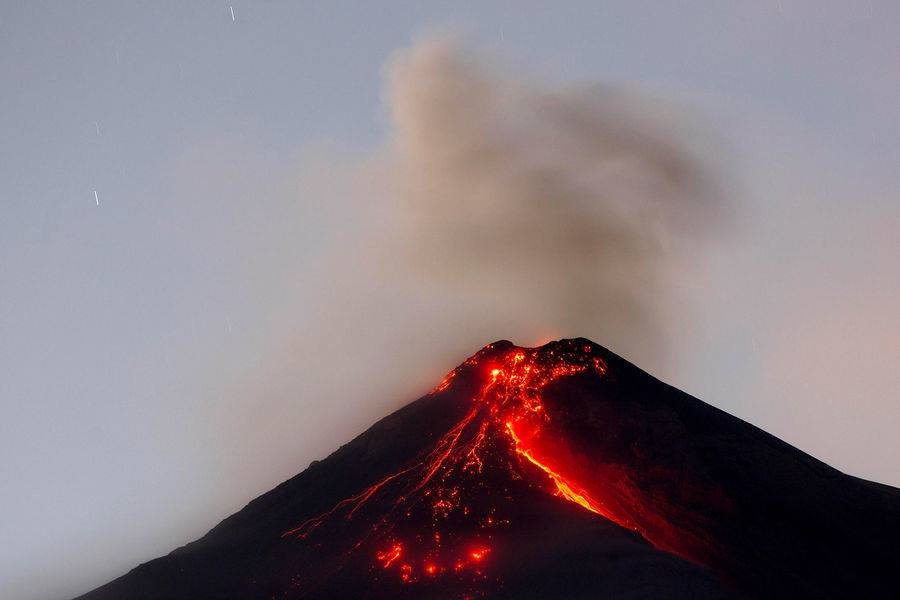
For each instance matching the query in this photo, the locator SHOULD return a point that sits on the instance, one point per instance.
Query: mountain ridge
(718, 500)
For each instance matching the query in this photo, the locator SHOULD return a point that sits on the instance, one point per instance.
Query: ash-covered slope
(560, 471)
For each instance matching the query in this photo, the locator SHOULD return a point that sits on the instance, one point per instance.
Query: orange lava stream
(449, 441)
(307, 526)
(563, 487)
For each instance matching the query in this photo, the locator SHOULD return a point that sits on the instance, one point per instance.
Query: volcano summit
(554, 472)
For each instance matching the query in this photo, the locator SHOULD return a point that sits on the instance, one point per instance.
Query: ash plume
(500, 208)
(552, 207)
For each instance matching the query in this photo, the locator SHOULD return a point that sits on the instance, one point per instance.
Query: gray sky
(151, 380)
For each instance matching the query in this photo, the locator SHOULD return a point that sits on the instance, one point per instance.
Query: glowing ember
(478, 554)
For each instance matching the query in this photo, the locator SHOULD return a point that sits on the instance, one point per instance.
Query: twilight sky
(211, 321)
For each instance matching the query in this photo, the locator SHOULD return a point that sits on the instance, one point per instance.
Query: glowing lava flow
(563, 488)
(445, 487)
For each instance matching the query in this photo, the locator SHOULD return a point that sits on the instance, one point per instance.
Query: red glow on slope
(506, 427)
(563, 487)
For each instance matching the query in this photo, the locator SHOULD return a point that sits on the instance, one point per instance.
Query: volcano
(554, 472)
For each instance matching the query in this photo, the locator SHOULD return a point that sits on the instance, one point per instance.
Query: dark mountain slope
(561, 471)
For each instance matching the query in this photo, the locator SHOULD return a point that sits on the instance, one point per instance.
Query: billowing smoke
(500, 208)
(551, 209)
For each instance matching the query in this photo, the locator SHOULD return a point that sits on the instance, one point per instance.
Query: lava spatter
(502, 433)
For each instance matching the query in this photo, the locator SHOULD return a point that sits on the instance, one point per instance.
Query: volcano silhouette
(554, 472)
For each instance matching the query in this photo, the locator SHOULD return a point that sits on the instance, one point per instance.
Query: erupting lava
(505, 428)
